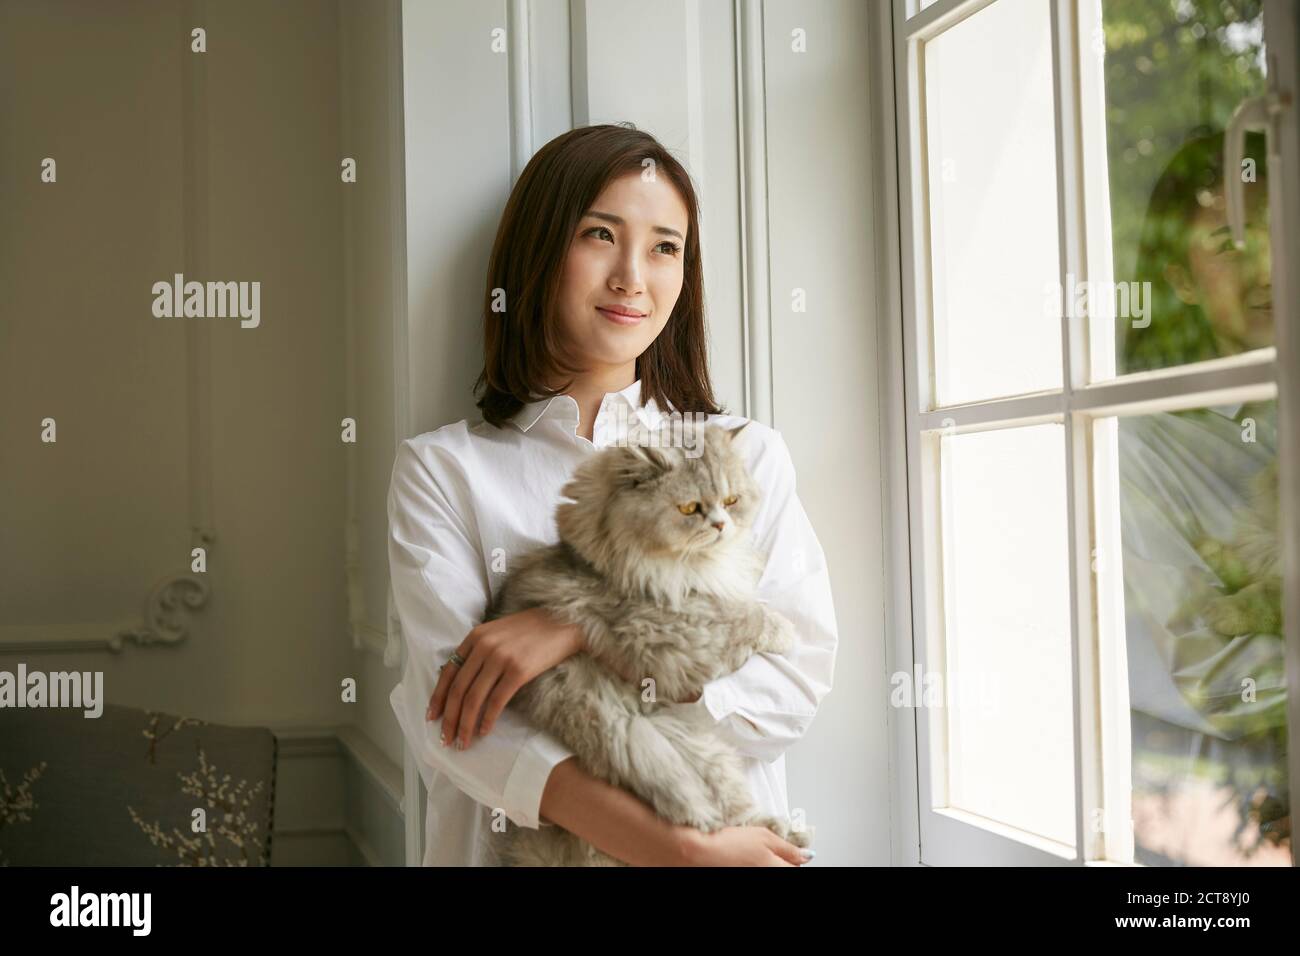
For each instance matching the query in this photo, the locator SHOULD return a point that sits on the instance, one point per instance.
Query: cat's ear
(642, 463)
(584, 482)
(734, 433)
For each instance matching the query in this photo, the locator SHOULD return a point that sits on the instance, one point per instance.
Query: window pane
(1203, 628)
(1007, 628)
(1174, 71)
(991, 159)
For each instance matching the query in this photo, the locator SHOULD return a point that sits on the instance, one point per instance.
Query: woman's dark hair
(1180, 332)
(522, 345)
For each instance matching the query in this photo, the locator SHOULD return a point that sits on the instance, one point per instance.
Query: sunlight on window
(1007, 628)
(992, 185)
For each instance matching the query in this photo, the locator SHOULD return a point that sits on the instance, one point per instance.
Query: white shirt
(464, 499)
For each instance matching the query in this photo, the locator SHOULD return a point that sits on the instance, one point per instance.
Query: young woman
(593, 321)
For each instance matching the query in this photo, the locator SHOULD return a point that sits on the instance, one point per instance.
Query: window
(1096, 468)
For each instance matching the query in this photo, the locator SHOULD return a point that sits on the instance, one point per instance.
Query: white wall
(823, 235)
(809, 179)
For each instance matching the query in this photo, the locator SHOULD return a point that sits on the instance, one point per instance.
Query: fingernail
(460, 744)
(442, 739)
(809, 854)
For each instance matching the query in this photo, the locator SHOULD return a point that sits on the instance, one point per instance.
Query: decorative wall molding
(402, 413)
(338, 799)
(196, 222)
(356, 597)
(168, 610)
(518, 13)
(413, 792)
(385, 640)
(754, 242)
(164, 620)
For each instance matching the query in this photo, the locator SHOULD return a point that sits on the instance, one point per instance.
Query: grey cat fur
(664, 596)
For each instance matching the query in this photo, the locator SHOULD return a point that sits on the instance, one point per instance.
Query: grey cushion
(109, 791)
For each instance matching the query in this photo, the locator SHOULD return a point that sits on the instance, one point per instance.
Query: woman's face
(627, 253)
(1232, 285)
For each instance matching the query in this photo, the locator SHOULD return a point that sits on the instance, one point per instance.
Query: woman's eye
(689, 509)
(730, 500)
(667, 247)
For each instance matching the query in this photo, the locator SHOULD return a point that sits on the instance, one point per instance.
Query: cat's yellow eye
(689, 509)
(730, 500)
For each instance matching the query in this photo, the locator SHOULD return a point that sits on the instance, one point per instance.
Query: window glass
(1174, 72)
(991, 173)
(1203, 632)
(1007, 628)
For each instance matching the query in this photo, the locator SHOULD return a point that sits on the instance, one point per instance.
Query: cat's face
(660, 501)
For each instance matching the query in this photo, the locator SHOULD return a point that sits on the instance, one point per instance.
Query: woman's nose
(628, 277)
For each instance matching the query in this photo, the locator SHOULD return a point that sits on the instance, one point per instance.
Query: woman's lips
(618, 319)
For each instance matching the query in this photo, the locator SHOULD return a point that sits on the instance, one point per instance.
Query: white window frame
(929, 832)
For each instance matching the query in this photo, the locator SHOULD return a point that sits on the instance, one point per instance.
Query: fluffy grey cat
(656, 564)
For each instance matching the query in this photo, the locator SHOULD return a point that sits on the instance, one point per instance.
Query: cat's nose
(719, 524)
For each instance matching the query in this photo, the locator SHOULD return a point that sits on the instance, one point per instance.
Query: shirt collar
(531, 413)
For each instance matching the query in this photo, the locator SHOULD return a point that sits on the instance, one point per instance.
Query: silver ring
(455, 659)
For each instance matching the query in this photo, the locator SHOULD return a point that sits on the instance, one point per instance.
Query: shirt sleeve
(768, 703)
(440, 590)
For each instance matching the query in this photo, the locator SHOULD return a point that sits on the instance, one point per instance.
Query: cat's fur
(660, 595)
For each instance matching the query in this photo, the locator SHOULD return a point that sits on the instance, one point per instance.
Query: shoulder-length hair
(522, 345)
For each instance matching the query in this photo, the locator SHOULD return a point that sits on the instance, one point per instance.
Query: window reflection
(1174, 72)
(1203, 621)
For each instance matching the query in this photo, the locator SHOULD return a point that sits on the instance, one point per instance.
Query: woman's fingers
(460, 685)
(787, 851)
(502, 694)
(471, 709)
(446, 674)
(439, 696)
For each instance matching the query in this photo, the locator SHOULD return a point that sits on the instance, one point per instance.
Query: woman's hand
(742, 846)
(501, 656)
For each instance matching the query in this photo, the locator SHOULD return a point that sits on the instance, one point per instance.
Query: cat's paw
(1255, 609)
(801, 836)
(778, 636)
(1227, 616)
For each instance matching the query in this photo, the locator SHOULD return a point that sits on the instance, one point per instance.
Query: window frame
(944, 835)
